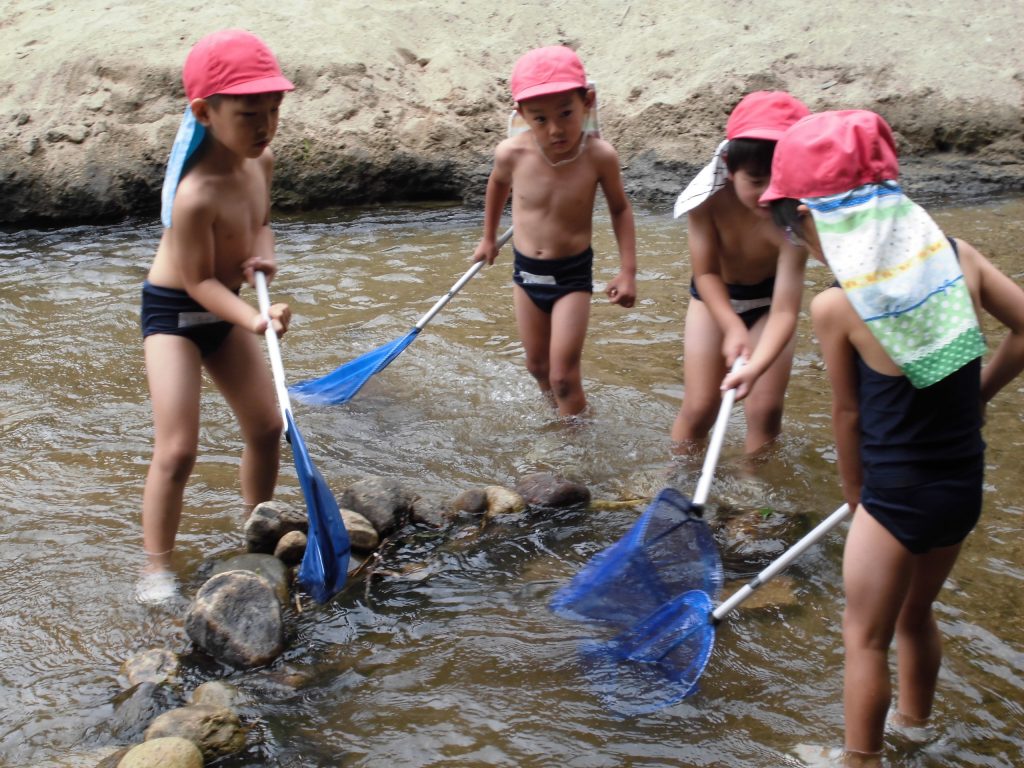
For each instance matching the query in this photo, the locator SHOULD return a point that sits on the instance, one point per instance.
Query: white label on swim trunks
(188, 319)
(531, 279)
(739, 306)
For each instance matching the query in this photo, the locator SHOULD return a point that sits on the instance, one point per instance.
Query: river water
(448, 655)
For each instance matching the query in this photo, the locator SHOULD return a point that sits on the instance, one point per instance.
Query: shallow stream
(448, 655)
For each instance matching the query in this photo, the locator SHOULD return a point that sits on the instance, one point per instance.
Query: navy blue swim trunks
(173, 311)
(547, 280)
(750, 302)
(937, 513)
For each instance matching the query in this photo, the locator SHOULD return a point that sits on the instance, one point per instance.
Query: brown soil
(405, 100)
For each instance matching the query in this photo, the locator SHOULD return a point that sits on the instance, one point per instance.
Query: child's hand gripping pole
(273, 346)
(715, 445)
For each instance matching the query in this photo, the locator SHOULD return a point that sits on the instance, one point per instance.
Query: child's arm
(781, 323)
(499, 185)
(1002, 298)
(704, 248)
(622, 289)
(830, 312)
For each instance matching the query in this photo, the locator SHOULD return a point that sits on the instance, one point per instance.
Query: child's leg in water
(569, 320)
(703, 371)
(239, 370)
(553, 344)
(535, 334)
(763, 406)
(889, 590)
(174, 371)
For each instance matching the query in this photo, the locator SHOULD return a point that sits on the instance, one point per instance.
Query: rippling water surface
(448, 655)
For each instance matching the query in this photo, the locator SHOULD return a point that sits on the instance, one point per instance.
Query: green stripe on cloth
(856, 220)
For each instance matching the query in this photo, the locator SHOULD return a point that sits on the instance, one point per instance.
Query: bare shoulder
(197, 198)
(266, 162)
(602, 152)
(513, 146)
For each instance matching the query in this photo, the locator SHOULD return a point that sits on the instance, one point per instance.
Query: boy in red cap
(902, 344)
(216, 214)
(554, 170)
(747, 280)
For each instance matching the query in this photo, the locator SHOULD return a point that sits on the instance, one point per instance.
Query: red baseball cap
(764, 115)
(832, 152)
(234, 62)
(543, 71)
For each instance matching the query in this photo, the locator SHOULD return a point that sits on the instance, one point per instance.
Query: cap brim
(772, 193)
(765, 134)
(274, 84)
(546, 89)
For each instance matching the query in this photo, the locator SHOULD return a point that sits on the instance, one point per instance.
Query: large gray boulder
(269, 567)
(236, 618)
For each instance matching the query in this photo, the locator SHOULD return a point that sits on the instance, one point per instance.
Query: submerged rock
(502, 502)
(155, 665)
(164, 752)
(216, 731)
(543, 489)
(386, 503)
(270, 521)
(361, 533)
(215, 693)
(269, 567)
(236, 618)
(135, 708)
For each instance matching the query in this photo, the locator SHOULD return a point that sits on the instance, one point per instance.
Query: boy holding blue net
(553, 171)
(747, 280)
(215, 212)
(903, 347)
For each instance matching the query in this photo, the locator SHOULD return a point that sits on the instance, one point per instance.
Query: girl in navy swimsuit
(907, 398)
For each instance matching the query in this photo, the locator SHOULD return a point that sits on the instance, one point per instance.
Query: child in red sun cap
(902, 344)
(553, 171)
(216, 214)
(747, 279)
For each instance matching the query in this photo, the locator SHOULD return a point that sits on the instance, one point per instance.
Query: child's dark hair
(787, 217)
(751, 155)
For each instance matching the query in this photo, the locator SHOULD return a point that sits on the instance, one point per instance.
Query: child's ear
(589, 98)
(201, 111)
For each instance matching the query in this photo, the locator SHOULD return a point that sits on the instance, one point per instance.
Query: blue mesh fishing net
(341, 385)
(655, 586)
(668, 551)
(655, 663)
(324, 567)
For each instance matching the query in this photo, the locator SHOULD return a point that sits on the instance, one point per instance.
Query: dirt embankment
(405, 100)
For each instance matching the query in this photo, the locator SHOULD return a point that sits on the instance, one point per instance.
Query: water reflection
(447, 655)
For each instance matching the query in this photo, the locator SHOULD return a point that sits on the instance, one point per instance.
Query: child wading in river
(901, 341)
(747, 279)
(216, 214)
(553, 171)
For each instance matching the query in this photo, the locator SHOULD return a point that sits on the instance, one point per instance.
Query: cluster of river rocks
(238, 615)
